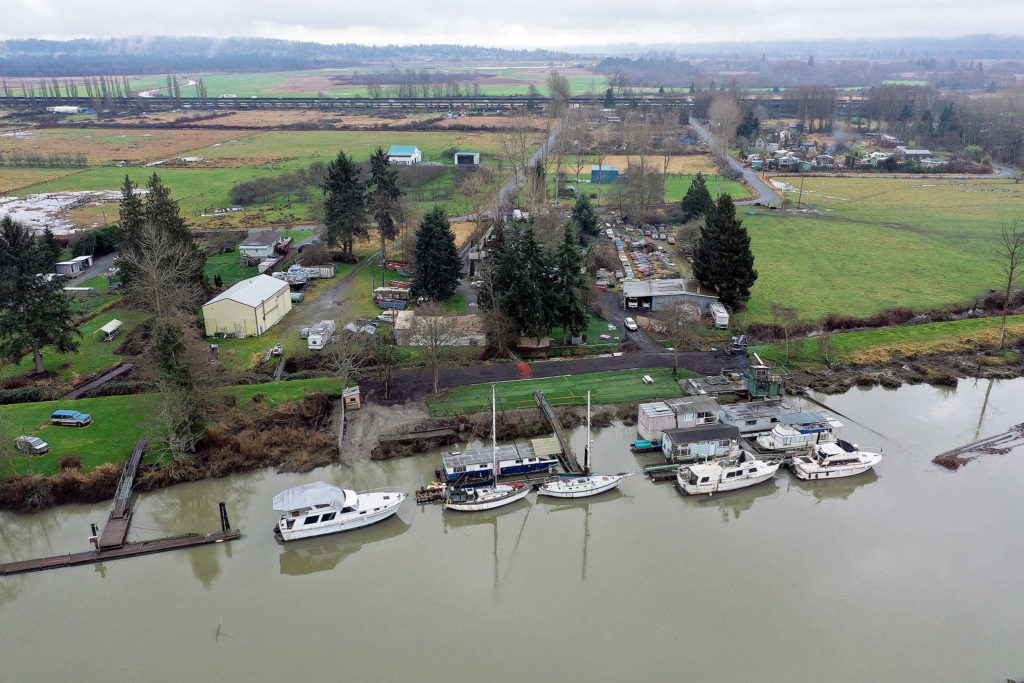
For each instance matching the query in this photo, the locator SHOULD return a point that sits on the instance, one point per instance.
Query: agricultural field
(621, 386)
(875, 243)
(13, 179)
(688, 164)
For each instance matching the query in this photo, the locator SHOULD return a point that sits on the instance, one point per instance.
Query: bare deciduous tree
(436, 332)
(683, 326)
(1011, 253)
(724, 115)
(162, 270)
(785, 317)
(517, 142)
(477, 186)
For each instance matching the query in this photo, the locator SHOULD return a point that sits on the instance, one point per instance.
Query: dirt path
(372, 420)
(331, 304)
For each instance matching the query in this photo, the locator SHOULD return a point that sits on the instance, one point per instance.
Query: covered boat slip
(512, 459)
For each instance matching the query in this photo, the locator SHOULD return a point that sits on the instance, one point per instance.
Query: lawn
(92, 354)
(595, 328)
(120, 421)
(226, 265)
(622, 386)
(677, 185)
(881, 243)
(882, 345)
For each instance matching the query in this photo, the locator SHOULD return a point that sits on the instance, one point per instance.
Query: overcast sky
(513, 23)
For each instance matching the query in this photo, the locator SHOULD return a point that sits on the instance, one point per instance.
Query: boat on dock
(318, 509)
(582, 486)
(724, 475)
(494, 495)
(799, 431)
(645, 446)
(833, 460)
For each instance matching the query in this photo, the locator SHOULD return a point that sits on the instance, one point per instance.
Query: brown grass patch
(493, 122)
(684, 164)
(984, 339)
(13, 179)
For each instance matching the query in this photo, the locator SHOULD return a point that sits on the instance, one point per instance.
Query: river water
(909, 573)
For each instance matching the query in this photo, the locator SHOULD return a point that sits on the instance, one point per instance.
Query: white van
(719, 315)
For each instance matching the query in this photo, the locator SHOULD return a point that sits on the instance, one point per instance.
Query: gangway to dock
(566, 458)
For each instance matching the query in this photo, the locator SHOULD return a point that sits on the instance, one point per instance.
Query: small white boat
(724, 475)
(583, 485)
(477, 498)
(480, 498)
(319, 508)
(799, 431)
(833, 460)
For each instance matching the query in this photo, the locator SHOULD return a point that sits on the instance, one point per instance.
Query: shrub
(71, 461)
(29, 395)
(260, 397)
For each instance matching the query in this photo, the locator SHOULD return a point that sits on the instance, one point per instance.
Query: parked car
(630, 324)
(671, 240)
(70, 418)
(32, 445)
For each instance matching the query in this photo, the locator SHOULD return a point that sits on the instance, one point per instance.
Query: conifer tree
(438, 266)
(130, 211)
(382, 198)
(584, 216)
(51, 249)
(698, 202)
(725, 260)
(571, 310)
(344, 203)
(528, 292)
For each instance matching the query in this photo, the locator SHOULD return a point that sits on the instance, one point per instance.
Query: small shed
(404, 155)
(74, 266)
(467, 159)
(604, 174)
(111, 329)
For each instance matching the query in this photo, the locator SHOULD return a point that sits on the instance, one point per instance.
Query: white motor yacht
(724, 475)
(833, 460)
(319, 508)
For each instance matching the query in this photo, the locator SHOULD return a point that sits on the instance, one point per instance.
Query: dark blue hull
(506, 471)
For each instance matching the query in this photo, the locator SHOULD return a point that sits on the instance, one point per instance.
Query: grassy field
(120, 421)
(620, 386)
(92, 354)
(226, 265)
(16, 178)
(595, 328)
(878, 243)
(677, 185)
(883, 345)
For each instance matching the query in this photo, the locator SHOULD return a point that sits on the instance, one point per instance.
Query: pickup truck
(71, 418)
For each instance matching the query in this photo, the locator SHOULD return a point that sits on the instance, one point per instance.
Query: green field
(881, 345)
(622, 386)
(120, 421)
(878, 243)
(677, 185)
(595, 328)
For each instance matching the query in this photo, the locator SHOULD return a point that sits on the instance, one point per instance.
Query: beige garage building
(248, 309)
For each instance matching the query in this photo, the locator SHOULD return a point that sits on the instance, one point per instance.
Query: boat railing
(384, 489)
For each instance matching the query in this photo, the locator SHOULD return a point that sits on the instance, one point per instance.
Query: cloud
(525, 23)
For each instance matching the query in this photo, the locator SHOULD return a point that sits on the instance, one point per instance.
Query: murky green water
(911, 573)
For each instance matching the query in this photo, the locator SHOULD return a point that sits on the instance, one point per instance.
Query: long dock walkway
(116, 529)
(567, 457)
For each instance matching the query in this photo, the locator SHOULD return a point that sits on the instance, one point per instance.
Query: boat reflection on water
(736, 501)
(323, 553)
(454, 521)
(832, 489)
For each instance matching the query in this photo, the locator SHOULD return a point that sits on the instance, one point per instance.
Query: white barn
(404, 155)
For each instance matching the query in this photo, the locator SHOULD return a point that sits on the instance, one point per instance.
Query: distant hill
(167, 54)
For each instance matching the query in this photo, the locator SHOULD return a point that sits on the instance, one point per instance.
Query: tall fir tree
(160, 209)
(130, 212)
(438, 266)
(698, 202)
(727, 261)
(528, 295)
(51, 249)
(584, 216)
(571, 309)
(382, 198)
(344, 203)
(34, 313)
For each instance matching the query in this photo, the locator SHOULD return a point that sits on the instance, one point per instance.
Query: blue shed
(604, 174)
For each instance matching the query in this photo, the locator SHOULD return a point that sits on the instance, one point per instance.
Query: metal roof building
(248, 308)
(659, 294)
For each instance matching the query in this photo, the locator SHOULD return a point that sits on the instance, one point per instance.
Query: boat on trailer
(478, 498)
(725, 475)
(582, 486)
(318, 509)
(833, 460)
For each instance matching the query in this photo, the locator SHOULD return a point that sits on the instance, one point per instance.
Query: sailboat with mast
(587, 484)
(475, 499)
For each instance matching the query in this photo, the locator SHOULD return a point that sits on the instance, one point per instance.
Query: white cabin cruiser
(724, 475)
(833, 460)
(582, 486)
(798, 431)
(319, 508)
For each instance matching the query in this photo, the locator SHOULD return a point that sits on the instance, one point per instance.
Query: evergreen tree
(344, 203)
(584, 216)
(51, 249)
(725, 260)
(609, 99)
(382, 198)
(130, 212)
(697, 203)
(159, 209)
(571, 310)
(438, 266)
(528, 294)
(34, 313)
(749, 126)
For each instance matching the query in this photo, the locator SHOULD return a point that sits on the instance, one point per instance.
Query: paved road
(99, 267)
(768, 194)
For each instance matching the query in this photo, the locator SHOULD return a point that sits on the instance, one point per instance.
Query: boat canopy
(311, 495)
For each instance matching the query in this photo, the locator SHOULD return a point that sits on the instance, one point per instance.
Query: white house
(74, 266)
(258, 247)
(404, 155)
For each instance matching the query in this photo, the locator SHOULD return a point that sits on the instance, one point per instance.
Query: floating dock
(567, 457)
(111, 543)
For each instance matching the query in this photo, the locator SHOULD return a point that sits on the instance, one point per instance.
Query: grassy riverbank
(888, 344)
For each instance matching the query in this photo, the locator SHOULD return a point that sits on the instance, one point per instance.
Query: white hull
(765, 472)
(488, 498)
(581, 487)
(814, 471)
(372, 508)
(769, 444)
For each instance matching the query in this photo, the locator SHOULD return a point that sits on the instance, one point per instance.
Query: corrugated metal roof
(702, 433)
(802, 418)
(694, 404)
(402, 150)
(756, 409)
(252, 292)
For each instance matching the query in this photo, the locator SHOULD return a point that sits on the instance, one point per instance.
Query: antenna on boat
(586, 453)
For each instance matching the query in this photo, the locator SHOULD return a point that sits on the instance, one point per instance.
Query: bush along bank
(293, 437)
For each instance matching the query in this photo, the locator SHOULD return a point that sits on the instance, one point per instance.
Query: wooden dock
(567, 457)
(111, 543)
